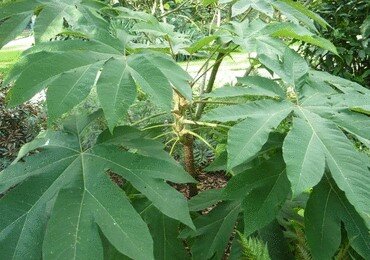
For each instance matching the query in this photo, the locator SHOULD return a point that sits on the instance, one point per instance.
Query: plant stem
(188, 142)
(210, 84)
(186, 139)
(161, 135)
(210, 67)
(215, 102)
(202, 139)
(205, 65)
(173, 10)
(173, 146)
(190, 122)
(156, 126)
(147, 118)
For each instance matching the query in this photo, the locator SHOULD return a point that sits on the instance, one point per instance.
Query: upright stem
(188, 142)
(161, 7)
(210, 84)
(186, 139)
(154, 7)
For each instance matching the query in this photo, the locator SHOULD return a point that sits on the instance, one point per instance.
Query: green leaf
(165, 232)
(365, 27)
(205, 199)
(302, 9)
(37, 67)
(291, 68)
(263, 6)
(230, 91)
(245, 139)
(240, 111)
(12, 27)
(218, 164)
(87, 199)
(277, 243)
(71, 220)
(294, 15)
(346, 166)
(253, 248)
(264, 86)
(342, 84)
(313, 39)
(326, 208)
(50, 20)
(17, 7)
(274, 142)
(264, 189)
(16, 16)
(116, 91)
(75, 64)
(213, 231)
(354, 123)
(208, 2)
(243, 183)
(198, 45)
(69, 89)
(304, 157)
(151, 80)
(295, 31)
(179, 78)
(250, 86)
(131, 138)
(261, 205)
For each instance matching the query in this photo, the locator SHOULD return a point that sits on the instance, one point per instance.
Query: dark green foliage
(350, 22)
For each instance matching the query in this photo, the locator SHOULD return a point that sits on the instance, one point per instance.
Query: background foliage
(350, 33)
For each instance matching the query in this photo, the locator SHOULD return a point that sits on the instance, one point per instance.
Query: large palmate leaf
(51, 19)
(76, 67)
(323, 108)
(326, 209)
(263, 189)
(86, 199)
(252, 35)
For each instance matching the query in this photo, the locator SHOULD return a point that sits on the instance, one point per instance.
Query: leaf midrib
(327, 150)
(252, 138)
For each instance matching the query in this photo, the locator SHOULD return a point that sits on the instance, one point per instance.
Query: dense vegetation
(351, 28)
(130, 131)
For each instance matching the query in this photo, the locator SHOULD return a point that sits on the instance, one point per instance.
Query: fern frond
(253, 249)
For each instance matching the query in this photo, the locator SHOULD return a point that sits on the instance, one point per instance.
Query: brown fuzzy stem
(185, 138)
(189, 162)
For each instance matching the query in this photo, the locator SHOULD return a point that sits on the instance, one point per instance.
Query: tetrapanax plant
(288, 134)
